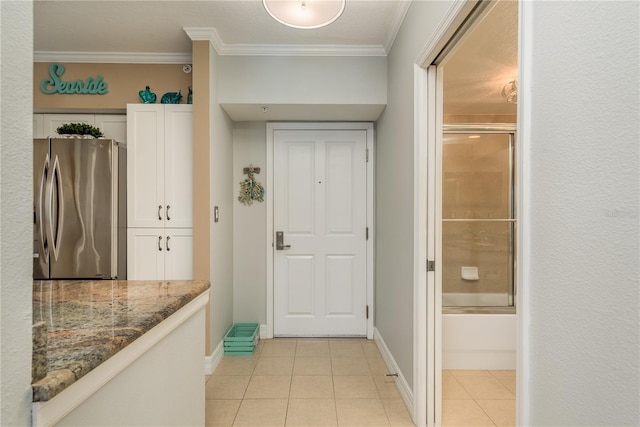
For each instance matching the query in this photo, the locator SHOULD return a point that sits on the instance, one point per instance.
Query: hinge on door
(367, 233)
(367, 311)
(431, 265)
(367, 155)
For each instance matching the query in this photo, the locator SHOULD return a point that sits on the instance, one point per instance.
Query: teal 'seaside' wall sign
(55, 84)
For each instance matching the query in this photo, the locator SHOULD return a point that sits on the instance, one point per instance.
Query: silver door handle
(41, 216)
(167, 244)
(280, 241)
(160, 212)
(54, 182)
(168, 217)
(160, 243)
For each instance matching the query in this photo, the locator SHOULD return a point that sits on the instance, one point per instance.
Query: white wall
(249, 227)
(394, 187)
(297, 88)
(16, 148)
(303, 80)
(222, 196)
(580, 80)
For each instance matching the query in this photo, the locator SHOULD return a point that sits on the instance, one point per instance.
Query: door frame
(426, 102)
(270, 235)
(427, 334)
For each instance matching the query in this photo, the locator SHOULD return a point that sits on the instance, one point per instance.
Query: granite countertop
(78, 324)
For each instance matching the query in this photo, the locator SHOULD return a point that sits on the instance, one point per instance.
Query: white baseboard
(212, 362)
(401, 382)
(263, 332)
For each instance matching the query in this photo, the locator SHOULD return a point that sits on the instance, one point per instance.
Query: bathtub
(479, 341)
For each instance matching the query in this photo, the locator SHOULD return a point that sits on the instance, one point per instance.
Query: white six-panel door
(320, 206)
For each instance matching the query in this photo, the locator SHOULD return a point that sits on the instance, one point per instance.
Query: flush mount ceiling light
(304, 14)
(510, 91)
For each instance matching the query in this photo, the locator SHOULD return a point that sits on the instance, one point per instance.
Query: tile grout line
(286, 411)
(491, 374)
(259, 357)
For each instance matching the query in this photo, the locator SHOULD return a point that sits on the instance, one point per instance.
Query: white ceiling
(475, 72)
(482, 63)
(157, 26)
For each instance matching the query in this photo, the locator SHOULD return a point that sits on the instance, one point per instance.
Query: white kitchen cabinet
(38, 126)
(114, 126)
(159, 165)
(159, 254)
(54, 121)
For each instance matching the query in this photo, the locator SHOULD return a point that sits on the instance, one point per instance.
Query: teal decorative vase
(171, 98)
(147, 96)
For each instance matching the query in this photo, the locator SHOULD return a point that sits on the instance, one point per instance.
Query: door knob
(280, 241)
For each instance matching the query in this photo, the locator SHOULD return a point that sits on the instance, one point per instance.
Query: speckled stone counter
(87, 322)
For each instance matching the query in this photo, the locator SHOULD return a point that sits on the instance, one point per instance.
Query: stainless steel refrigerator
(79, 209)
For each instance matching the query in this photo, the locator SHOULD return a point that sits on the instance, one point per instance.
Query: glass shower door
(478, 220)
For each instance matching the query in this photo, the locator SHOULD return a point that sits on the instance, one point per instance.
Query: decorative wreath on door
(250, 189)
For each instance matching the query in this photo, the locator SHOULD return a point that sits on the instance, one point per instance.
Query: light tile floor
(324, 382)
(305, 382)
(478, 398)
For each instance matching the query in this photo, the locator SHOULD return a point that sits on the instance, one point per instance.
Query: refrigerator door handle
(54, 225)
(42, 226)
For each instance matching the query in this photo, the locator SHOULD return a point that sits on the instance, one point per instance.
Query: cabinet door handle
(160, 243)
(168, 217)
(167, 244)
(160, 212)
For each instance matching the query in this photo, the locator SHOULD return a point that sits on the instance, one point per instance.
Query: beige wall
(201, 172)
(124, 82)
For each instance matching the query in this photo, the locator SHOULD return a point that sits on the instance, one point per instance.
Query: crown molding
(222, 48)
(113, 57)
(401, 12)
(205, 34)
(302, 50)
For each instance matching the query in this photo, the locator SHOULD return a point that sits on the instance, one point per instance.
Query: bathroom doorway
(468, 78)
(477, 222)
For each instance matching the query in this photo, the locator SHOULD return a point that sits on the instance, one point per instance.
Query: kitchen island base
(156, 380)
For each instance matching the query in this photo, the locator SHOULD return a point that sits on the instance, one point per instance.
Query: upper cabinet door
(38, 126)
(178, 166)
(113, 126)
(145, 165)
(159, 165)
(54, 121)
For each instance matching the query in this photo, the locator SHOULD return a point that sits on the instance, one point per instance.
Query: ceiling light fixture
(510, 91)
(304, 14)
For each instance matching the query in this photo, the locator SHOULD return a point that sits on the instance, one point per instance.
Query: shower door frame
(490, 128)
